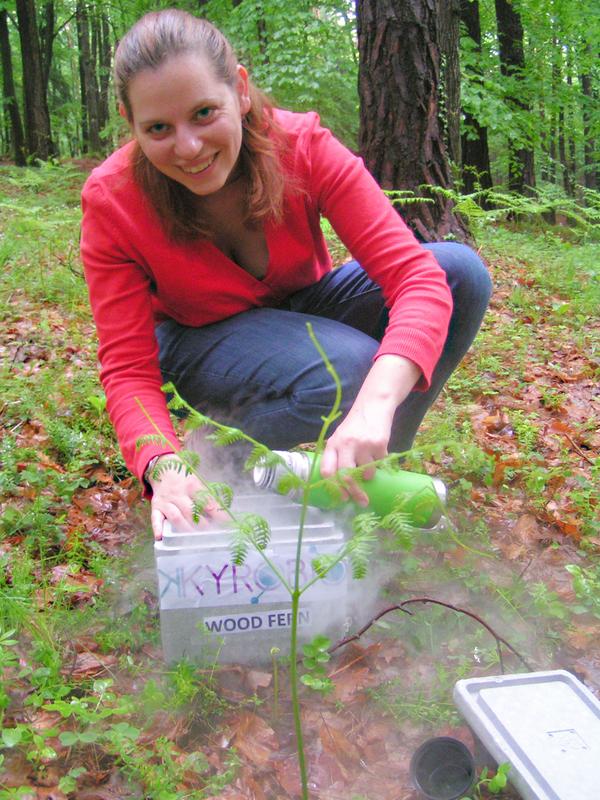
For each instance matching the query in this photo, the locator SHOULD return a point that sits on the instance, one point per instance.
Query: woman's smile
(202, 167)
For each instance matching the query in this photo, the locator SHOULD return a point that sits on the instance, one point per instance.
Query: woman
(204, 259)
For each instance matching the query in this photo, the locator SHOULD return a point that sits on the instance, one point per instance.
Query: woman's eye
(157, 128)
(204, 113)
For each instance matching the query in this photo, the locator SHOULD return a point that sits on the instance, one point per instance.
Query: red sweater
(137, 277)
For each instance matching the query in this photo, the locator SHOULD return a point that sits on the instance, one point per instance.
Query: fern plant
(251, 531)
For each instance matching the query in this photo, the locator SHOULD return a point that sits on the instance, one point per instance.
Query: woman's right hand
(173, 494)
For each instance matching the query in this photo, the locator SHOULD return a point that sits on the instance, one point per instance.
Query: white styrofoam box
(546, 724)
(237, 613)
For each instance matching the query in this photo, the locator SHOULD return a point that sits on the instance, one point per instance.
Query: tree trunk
(10, 97)
(37, 119)
(475, 150)
(89, 86)
(449, 33)
(591, 176)
(512, 63)
(104, 64)
(46, 42)
(399, 137)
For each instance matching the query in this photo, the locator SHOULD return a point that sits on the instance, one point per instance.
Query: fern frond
(290, 483)
(256, 529)
(191, 458)
(359, 550)
(323, 563)
(238, 546)
(366, 523)
(333, 489)
(225, 436)
(199, 504)
(222, 493)
(176, 402)
(399, 523)
(197, 420)
(167, 464)
(151, 438)
(260, 454)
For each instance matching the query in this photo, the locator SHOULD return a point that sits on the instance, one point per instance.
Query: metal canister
(420, 496)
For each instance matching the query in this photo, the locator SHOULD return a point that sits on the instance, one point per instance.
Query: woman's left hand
(363, 435)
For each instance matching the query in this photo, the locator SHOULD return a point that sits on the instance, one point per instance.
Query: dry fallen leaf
(253, 738)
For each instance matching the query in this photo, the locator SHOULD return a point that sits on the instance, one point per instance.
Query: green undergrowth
(69, 593)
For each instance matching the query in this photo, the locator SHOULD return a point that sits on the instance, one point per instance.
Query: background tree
(591, 164)
(512, 65)
(400, 135)
(10, 104)
(37, 118)
(448, 12)
(474, 141)
(530, 117)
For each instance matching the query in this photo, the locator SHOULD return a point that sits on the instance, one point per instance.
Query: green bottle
(420, 496)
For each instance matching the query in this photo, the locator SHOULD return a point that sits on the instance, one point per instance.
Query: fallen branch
(402, 607)
(576, 447)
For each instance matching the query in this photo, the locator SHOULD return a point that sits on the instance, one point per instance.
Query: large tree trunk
(89, 89)
(475, 150)
(512, 63)
(449, 34)
(400, 138)
(10, 97)
(591, 176)
(37, 119)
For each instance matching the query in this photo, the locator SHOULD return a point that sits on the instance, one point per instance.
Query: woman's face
(188, 123)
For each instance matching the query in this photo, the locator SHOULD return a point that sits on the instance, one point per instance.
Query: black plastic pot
(442, 768)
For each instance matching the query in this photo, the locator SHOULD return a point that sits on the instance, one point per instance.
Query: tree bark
(17, 138)
(591, 168)
(449, 33)
(400, 138)
(104, 63)
(474, 143)
(89, 91)
(512, 63)
(46, 41)
(37, 119)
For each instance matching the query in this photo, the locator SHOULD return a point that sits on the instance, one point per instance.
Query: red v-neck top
(137, 277)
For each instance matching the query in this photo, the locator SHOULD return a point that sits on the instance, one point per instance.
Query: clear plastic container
(213, 610)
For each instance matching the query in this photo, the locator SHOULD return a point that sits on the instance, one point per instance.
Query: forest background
(481, 119)
(515, 83)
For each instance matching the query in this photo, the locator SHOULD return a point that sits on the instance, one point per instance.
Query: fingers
(157, 518)
(354, 444)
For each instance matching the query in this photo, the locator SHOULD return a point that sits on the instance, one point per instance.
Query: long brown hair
(158, 36)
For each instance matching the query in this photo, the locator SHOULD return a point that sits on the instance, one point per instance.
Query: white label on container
(255, 621)
(202, 580)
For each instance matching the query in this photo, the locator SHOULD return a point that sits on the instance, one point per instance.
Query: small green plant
(316, 656)
(493, 784)
(586, 585)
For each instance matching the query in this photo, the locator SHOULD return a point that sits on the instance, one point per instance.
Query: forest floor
(88, 708)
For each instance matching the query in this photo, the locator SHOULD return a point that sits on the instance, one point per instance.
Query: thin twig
(401, 607)
(577, 448)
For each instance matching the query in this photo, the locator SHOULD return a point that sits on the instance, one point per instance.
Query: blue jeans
(259, 370)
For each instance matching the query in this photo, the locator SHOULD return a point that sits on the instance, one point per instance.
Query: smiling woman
(205, 259)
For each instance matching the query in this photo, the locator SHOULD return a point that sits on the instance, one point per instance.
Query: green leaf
(88, 737)
(11, 737)
(126, 730)
(68, 738)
